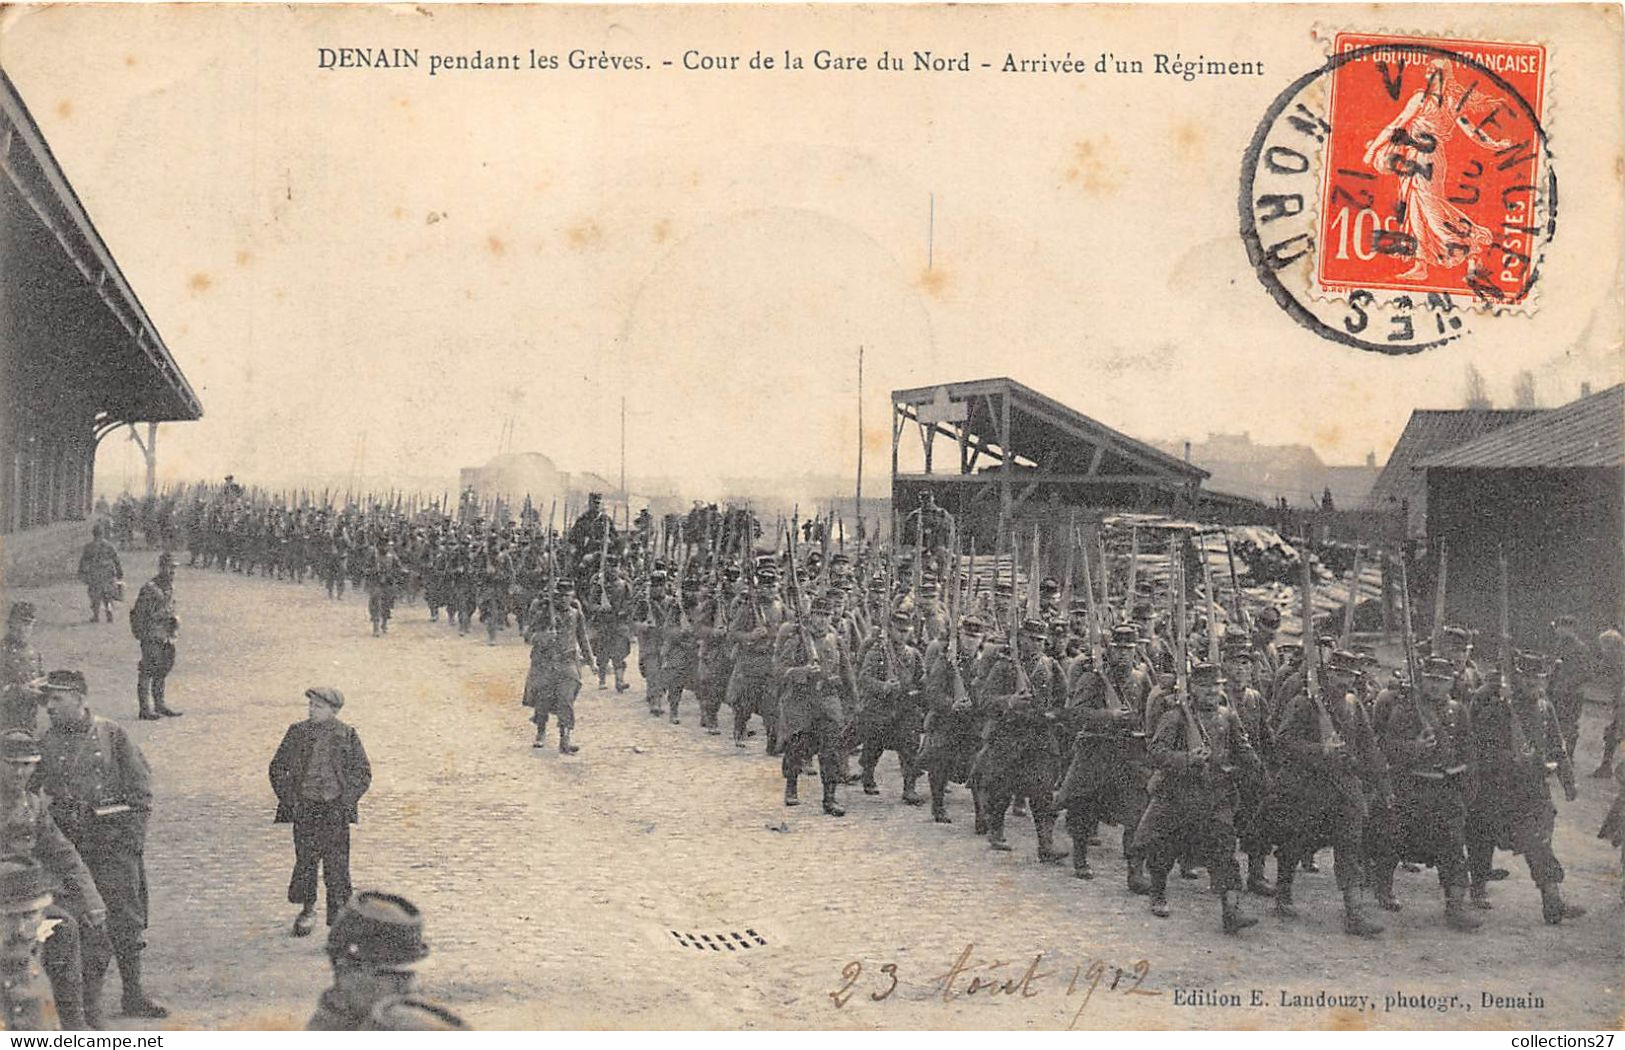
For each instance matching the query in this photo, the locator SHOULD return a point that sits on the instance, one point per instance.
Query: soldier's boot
(831, 807)
(939, 800)
(1019, 807)
(158, 704)
(1047, 851)
(1159, 894)
(1284, 906)
(541, 735)
(672, 702)
(1354, 919)
(790, 798)
(1553, 908)
(995, 835)
(869, 785)
(565, 747)
(305, 921)
(603, 680)
(620, 679)
(1080, 860)
(1456, 915)
(143, 696)
(1232, 918)
(1256, 883)
(1383, 888)
(1480, 894)
(981, 824)
(135, 1001)
(911, 796)
(95, 971)
(1139, 883)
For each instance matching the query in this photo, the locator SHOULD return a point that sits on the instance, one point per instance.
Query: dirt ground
(559, 892)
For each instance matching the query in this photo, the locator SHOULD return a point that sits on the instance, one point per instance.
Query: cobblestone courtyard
(552, 886)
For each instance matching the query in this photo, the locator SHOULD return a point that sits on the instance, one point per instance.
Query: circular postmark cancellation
(1402, 193)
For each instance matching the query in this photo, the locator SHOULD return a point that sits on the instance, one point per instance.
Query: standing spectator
(1611, 671)
(1570, 675)
(22, 671)
(154, 623)
(101, 797)
(319, 774)
(101, 573)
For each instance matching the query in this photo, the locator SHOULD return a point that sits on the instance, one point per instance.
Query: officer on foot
(154, 623)
(101, 798)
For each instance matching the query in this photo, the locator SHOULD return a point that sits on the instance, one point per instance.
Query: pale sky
(416, 257)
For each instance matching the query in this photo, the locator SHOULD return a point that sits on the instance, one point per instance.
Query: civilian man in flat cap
(22, 671)
(319, 773)
(101, 797)
(374, 947)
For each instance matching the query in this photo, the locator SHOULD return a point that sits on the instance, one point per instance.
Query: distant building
(1270, 473)
(514, 476)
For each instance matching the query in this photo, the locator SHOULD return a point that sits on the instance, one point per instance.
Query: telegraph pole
(857, 503)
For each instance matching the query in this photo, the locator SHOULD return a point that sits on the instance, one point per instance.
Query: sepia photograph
(756, 517)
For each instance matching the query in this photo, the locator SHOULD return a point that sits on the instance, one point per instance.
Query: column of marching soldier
(1031, 705)
(1039, 703)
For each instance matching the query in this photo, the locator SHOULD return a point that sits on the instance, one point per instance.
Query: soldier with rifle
(1109, 767)
(558, 647)
(815, 669)
(1197, 748)
(1427, 737)
(752, 685)
(1022, 692)
(654, 611)
(888, 716)
(1517, 746)
(952, 723)
(1239, 667)
(609, 612)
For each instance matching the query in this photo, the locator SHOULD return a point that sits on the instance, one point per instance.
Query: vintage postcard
(900, 517)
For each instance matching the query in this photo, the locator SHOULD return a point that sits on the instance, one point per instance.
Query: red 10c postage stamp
(1431, 170)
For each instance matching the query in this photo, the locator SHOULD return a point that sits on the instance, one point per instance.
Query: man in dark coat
(815, 669)
(319, 773)
(101, 797)
(101, 573)
(155, 624)
(558, 647)
(1517, 746)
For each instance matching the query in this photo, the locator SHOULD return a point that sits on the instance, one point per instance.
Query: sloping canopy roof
(1068, 441)
(1431, 431)
(1589, 432)
(71, 289)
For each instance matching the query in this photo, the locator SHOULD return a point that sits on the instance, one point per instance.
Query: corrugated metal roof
(1430, 432)
(1589, 432)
